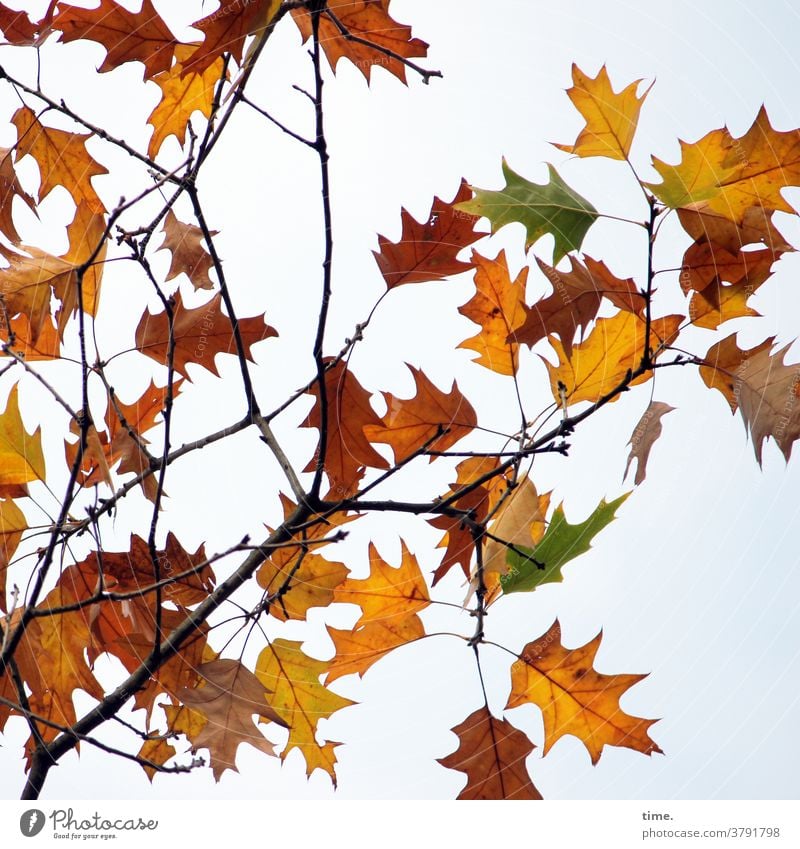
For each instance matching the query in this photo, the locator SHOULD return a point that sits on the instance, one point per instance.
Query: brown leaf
(127, 36)
(764, 388)
(576, 699)
(12, 525)
(17, 27)
(200, 334)
(228, 697)
(575, 301)
(492, 753)
(428, 251)
(366, 19)
(644, 436)
(226, 30)
(349, 413)
(189, 253)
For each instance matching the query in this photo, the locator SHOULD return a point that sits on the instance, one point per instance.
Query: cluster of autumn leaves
(496, 528)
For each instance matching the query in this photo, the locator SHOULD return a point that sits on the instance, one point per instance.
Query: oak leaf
(498, 307)
(12, 525)
(349, 412)
(427, 251)
(431, 419)
(127, 36)
(611, 118)
(366, 20)
(182, 94)
(17, 27)
(645, 434)
(19, 339)
(731, 175)
(9, 189)
(186, 243)
(478, 499)
(575, 301)
(560, 543)
(228, 696)
(226, 29)
(21, 456)
(764, 388)
(551, 207)
(199, 333)
(157, 750)
(300, 700)
(576, 699)
(492, 753)
(62, 158)
(602, 361)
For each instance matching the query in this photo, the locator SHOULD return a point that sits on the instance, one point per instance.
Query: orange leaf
(428, 251)
(498, 306)
(576, 699)
(430, 418)
(46, 347)
(366, 19)
(62, 158)
(127, 36)
(200, 334)
(492, 753)
(9, 189)
(189, 254)
(182, 94)
(12, 525)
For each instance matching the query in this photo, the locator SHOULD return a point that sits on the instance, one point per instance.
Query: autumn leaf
(575, 301)
(9, 189)
(520, 521)
(492, 753)
(18, 338)
(157, 750)
(761, 386)
(189, 254)
(551, 207)
(226, 29)
(228, 697)
(602, 361)
(17, 27)
(529, 568)
(731, 175)
(182, 94)
(368, 20)
(200, 334)
(428, 251)
(431, 419)
(719, 303)
(478, 499)
(300, 700)
(127, 36)
(12, 525)
(611, 118)
(349, 412)
(644, 435)
(498, 307)
(704, 224)
(62, 158)
(21, 457)
(576, 699)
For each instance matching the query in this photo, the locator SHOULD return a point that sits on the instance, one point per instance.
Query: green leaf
(561, 543)
(548, 208)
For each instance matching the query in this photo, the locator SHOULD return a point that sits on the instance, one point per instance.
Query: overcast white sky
(696, 582)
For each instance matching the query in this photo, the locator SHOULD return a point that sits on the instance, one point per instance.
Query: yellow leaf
(611, 118)
(21, 457)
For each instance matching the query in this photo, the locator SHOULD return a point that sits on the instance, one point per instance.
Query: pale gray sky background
(696, 582)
